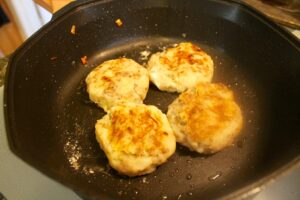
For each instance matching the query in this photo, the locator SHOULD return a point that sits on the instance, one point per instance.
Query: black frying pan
(50, 120)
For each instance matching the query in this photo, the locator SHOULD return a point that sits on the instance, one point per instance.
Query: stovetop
(284, 12)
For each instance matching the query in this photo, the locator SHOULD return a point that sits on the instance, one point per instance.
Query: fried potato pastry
(205, 118)
(179, 68)
(136, 138)
(117, 81)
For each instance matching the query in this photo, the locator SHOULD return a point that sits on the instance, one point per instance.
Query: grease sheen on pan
(205, 118)
(135, 138)
(117, 81)
(179, 68)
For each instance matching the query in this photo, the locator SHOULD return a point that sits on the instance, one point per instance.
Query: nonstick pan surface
(50, 120)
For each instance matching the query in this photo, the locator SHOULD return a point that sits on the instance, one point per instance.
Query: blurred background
(19, 19)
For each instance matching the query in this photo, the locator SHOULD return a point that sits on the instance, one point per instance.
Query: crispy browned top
(185, 53)
(207, 110)
(137, 130)
(109, 74)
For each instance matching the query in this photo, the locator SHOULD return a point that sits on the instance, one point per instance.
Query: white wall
(45, 14)
(29, 17)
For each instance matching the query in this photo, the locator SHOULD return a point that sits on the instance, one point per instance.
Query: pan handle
(2, 197)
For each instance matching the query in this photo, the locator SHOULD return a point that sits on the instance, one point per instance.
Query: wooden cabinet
(10, 37)
(52, 5)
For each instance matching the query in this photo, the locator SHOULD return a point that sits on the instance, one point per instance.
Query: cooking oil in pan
(210, 169)
(215, 176)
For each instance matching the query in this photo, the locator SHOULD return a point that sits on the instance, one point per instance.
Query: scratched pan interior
(50, 120)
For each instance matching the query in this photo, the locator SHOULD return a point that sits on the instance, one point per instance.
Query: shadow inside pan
(51, 119)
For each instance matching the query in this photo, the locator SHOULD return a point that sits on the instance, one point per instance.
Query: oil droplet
(176, 170)
(172, 174)
(144, 180)
(240, 144)
(120, 192)
(179, 196)
(188, 161)
(188, 176)
(190, 194)
(136, 191)
(215, 176)
(164, 197)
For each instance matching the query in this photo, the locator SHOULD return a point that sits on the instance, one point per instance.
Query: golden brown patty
(135, 138)
(117, 81)
(205, 118)
(179, 68)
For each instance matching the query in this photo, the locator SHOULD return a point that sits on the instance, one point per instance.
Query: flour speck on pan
(72, 148)
(144, 55)
(73, 152)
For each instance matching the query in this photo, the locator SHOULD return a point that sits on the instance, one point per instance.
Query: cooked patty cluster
(135, 137)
